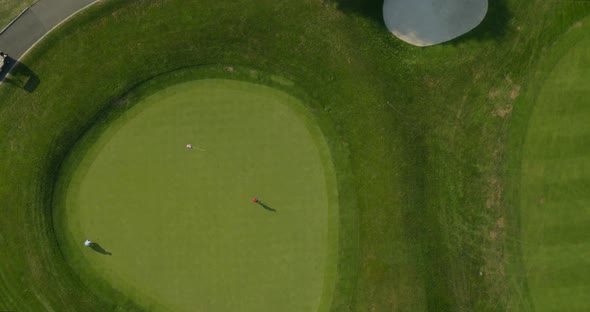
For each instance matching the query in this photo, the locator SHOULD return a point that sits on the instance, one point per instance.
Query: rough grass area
(9, 9)
(419, 142)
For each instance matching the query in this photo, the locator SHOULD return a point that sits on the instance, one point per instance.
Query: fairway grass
(180, 223)
(555, 182)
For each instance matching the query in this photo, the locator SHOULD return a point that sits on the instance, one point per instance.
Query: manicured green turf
(9, 9)
(418, 137)
(180, 224)
(555, 183)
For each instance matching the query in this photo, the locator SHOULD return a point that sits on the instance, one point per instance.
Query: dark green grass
(418, 140)
(185, 217)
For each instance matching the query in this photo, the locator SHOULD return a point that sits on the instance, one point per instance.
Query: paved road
(34, 24)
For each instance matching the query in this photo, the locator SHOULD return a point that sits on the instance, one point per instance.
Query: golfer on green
(87, 243)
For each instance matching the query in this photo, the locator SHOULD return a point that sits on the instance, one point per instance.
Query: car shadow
(21, 76)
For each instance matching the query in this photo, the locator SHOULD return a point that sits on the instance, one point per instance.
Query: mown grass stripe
(571, 146)
(568, 299)
(554, 171)
(554, 185)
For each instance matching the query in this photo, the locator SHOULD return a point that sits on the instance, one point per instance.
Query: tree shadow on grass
(96, 247)
(368, 8)
(21, 76)
(494, 24)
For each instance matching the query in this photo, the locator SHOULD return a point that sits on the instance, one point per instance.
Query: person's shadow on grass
(96, 247)
(266, 206)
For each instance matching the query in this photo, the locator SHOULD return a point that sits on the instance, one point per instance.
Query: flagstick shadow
(266, 206)
(96, 247)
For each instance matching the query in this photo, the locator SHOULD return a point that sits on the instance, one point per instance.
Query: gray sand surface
(429, 22)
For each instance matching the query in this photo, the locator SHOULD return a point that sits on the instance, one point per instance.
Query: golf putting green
(555, 181)
(177, 227)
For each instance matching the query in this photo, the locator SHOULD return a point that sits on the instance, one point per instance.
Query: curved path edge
(33, 24)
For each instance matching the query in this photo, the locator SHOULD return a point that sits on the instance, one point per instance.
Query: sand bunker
(427, 22)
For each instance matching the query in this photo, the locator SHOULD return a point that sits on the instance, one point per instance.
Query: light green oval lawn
(180, 223)
(555, 187)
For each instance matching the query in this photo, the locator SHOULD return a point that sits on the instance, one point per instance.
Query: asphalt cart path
(33, 24)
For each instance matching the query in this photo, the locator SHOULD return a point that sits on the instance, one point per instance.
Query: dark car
(3, 60)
